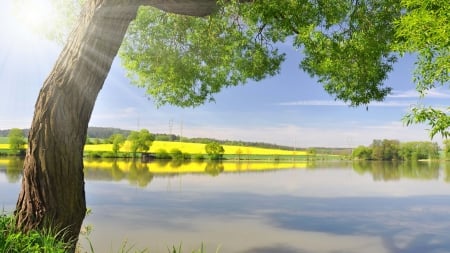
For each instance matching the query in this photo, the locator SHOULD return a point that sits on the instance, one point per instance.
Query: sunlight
(36, 15)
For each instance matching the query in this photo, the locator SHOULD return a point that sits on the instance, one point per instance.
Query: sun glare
(36, 15)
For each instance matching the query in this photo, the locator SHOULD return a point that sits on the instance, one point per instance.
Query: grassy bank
(13, 241)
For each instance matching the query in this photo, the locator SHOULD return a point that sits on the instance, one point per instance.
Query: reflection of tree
(139, 174)
(214, 168)
(176, 163)
(14, 170)
(387, 171)
(116, 173)
(447, 171)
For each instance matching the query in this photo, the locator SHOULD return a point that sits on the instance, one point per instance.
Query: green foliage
(16, 140)
(362, 152)
(214, 150)
(424, 30)
(176, 154)
(162, 154)
(198, 157)
(348, 48)
(184, 60)
(140, 141)
(385, 149)
(117, 140)
(388, 150)
(14, 241)
(436, 118)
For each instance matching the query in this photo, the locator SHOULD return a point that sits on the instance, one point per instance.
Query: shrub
(162, 154)
(176, 154)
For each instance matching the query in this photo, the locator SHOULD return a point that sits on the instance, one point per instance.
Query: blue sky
(288, 109)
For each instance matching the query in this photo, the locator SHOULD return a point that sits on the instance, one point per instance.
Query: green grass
(4, 140)
(14, 241)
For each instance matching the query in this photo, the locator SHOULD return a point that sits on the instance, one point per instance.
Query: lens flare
(36, 15)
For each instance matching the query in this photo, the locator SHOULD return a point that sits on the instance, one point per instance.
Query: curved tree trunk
(52, 194)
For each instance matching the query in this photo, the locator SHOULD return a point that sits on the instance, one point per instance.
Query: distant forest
(106, 132)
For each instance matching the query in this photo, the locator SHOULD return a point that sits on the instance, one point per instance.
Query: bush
(198, 157)
(176, 154)
(162, 154)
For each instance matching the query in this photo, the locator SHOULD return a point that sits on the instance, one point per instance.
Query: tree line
(139, 142)
(388, 150)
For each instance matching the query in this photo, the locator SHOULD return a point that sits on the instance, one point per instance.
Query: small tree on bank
(214, 150)
(117, 141)
(140, 141)
(16, 139)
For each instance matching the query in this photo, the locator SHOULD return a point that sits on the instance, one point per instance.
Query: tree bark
(52, 194)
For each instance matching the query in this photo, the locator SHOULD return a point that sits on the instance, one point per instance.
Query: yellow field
(189, 148)
(197, 148)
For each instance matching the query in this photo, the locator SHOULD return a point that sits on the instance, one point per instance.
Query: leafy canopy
(140, 141)
(424, 29)
(350, 46)
(185, 60)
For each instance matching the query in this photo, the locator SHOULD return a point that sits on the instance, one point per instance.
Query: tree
(214, 150)
(385, 149)
(362, 152)
(424, 30)
(117, 141)
(16, 140)
(140, 141)
(347, 45)
(63, 109)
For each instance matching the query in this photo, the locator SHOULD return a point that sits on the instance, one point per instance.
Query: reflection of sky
(8, 193)
(307, 183)
(302, 211)
(286, 211)
(407, 224)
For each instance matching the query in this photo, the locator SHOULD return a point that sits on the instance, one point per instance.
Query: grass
(14, 241)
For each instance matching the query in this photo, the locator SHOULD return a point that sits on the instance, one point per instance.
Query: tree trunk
(52, 194)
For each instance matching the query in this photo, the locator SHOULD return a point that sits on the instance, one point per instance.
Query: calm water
(246, 208)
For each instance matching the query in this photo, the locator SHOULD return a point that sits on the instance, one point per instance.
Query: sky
(288, 109)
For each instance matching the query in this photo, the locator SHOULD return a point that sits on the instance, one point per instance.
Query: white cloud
(433, 93)
(404, 94)
(438, 94)
(314, 103)
(340, 103)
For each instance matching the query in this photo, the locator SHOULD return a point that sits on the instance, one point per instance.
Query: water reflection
(388, 171)
(265, 207)
(141, 174)
(12, 167)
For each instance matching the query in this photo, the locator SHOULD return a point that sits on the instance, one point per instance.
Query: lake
(320, 207)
